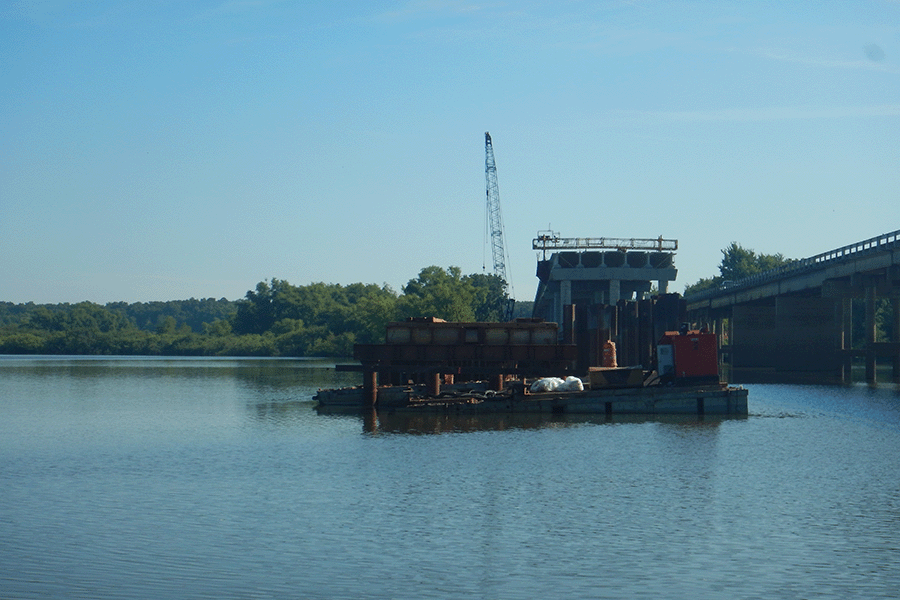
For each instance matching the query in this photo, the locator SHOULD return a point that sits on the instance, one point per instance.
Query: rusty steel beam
(536, 360)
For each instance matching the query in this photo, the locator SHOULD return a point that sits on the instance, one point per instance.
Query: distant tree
(256, 312)
(218, 327)
(316, 318)
(704, 283)
(370, 313)
(193, 313)
(167, 324)
(884, 325)
(22, 343)
(490, 296)
(738, 263)
(523, 309)
(438, 293)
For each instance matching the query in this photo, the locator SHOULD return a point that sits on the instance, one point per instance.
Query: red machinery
(688, 357)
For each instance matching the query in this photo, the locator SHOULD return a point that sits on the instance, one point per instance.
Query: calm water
(184, 478)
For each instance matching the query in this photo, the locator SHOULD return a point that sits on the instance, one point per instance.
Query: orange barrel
(609, 354)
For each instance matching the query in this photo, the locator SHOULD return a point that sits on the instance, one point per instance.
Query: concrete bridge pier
(844, 342)
(895, 310)
(870, 331)
(786, 335)
(884, 286)
(723, 339)
(811, 336)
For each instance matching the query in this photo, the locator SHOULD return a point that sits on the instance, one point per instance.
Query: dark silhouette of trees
(273, 319)
(737, 263)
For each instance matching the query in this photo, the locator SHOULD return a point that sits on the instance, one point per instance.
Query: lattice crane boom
(494, 219)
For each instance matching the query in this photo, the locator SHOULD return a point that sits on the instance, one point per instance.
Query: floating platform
(429, 365)
(707, 399)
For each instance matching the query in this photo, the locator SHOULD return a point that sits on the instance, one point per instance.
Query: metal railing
(887, 241)
(551, 241)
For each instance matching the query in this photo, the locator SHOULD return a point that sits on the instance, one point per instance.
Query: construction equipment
(550, 240)
(495, 223)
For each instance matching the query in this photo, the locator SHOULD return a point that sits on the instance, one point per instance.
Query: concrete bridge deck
(799, 317)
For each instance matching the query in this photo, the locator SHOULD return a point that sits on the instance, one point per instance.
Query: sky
(175, 149)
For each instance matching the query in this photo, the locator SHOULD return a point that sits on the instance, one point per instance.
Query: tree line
(276, 318)
(738, 263)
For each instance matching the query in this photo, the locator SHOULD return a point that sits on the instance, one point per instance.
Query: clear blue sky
(168, 149)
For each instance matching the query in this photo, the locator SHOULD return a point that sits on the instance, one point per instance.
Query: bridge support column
(895, 309)
(568, 324)
(845, 337)
(870, 333)
(753, 337)
(718, 329)
(565, 299)
(719, 325)
(615, 291)
(796, 335)
(806, 335)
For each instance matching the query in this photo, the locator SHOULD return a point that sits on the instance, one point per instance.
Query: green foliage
(256, 313)
(193, 313)
(274, 319)
(317, 318)
(490, 297)
(738, 263)
(705, 283)
(449, 295)
(884, 321)
(21, 343)
(157, 328)
(439, 293)
(523, 309)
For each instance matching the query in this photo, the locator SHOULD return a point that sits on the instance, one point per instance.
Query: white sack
(573, 384)
(547, 384)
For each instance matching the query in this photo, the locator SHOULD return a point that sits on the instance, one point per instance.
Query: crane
(495, 223)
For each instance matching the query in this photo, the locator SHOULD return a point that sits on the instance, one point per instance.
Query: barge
(711, 399)
(433, 366)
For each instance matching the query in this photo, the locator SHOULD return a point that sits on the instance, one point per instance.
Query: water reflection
(272, 372)
(374, 422)
(884, 375)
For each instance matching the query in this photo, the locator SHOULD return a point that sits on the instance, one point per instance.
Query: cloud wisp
(874, 62)
(774, 113)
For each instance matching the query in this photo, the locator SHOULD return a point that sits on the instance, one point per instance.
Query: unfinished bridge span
(798, 318)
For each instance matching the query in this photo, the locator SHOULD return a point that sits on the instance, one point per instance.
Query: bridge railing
(551, 241)
(880, 243)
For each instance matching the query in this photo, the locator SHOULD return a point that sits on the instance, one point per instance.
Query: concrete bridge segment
(797, 318)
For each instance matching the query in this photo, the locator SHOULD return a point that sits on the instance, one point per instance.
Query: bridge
(798, 318)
